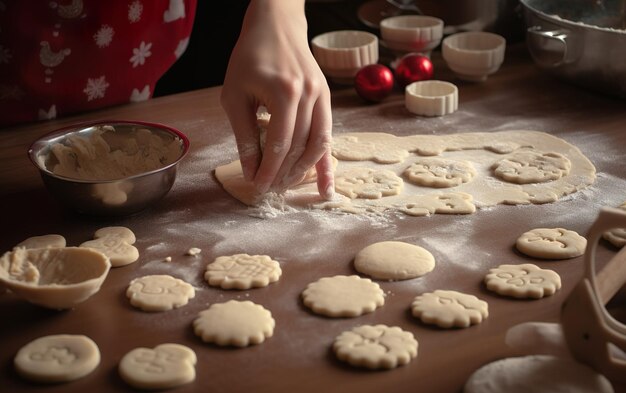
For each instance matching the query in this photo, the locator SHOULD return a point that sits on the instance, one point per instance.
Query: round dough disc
(537, 374)
(392, 260)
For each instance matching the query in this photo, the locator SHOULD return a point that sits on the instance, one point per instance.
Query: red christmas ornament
(374, 82)
(412, 68)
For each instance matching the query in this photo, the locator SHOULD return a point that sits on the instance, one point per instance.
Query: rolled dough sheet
(485, 151)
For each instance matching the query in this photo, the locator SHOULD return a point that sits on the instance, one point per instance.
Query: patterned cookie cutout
(551, 243)
(526, 281)
(234, 323)
(532, 167)
(343, 296)
(440, 172)
(448, 309)
(57, 358)
(376, 346)
(159, 292)
(368, 183)
(242, 271)
(166, 366)
(115, 243)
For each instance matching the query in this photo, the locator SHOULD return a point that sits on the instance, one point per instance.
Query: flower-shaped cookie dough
(523, 281)
(235, 323)
(376, 346)
(115, 243)
(445, 203)
(58, 358)
(527, 167)
(242, 271)
(159, 292)
(367, 183)
(165, 366)
(551, 243)
(343, 296)
(448, 309)
(440, 172)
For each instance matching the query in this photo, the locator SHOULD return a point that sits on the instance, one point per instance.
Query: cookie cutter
(431, 98)
(590, 330)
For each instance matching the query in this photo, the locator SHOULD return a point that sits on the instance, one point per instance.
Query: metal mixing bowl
(99, 194)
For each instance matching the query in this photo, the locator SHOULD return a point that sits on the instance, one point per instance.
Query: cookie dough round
(57, 358)
(116, 243)
(367, 183)
(376, 346)
(44, 241)
(159, 292)
(448, 309)
(242, 271)
(343, 296)
(234, 323)
(537, 374)
(440, 172)
(392, 260)
(166, 366)
(551, 243)
(526, 281)
(527, 167)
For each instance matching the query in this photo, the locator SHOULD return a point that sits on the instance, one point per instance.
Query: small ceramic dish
(57, 278)
(411, 33)
(341, 54)
(431, 98)
(474, 55)
(109, 167)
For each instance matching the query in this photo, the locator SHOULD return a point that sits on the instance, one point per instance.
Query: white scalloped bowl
(474, 55)
(341, 54)
(411, 33)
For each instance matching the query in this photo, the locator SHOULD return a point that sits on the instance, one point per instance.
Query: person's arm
(272, 65)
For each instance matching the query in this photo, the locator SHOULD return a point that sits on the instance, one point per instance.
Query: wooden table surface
(198, 213)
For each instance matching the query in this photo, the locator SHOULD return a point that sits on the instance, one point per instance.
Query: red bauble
(412, 68)
(374, 82)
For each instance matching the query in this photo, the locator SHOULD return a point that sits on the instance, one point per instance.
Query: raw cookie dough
(376, 346)
(528, 167)
(116, 243)
(367, 183)
(523, 281)
(393, 260)
(482, 150)
(242, 271)
(159, 292)
(537, 374)
(57, 278)
(234, 323)
(448, 309)
(439, 172)
(193, 251)
(617, 236)
(166, 366)
(45, 241)
(343, 296)
(57, 358)
(551, 243)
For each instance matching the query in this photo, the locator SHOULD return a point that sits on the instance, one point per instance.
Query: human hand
(272, 65)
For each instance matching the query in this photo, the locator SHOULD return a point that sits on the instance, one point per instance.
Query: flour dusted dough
(523, 281)
(45, 241)
(235, 323)
(343, 296)
(159, 292)
(392, 260)
(376, 346)
(528, 167)
(537, 374)
(440, 173)
(162, 367)
(378, 151)
(116, 243)
(368, 183)
(57, 358)
(242, 271)
(551, 243)
(448, 309)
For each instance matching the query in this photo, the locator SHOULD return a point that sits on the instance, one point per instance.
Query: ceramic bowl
(473, 56)
(341, 54)
(111, 167)
(411, 33)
